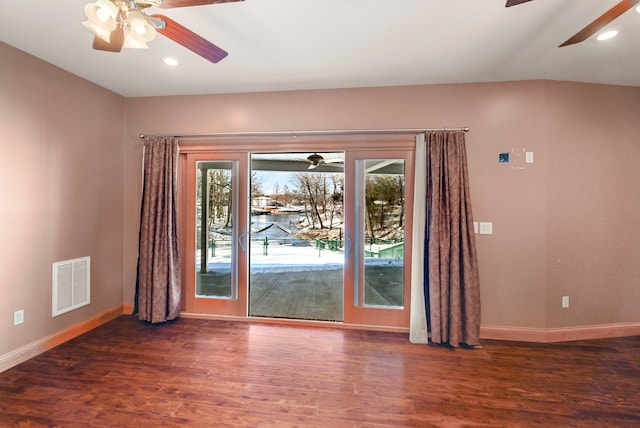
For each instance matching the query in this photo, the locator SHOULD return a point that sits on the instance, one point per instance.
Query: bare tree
(220, 196)
(310, 186)
(400, 190)
(336, 199)
(256, 184)
(285, 195)
(276, 192)
(383, 193)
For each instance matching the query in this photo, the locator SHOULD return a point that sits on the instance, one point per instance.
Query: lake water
(281, 226)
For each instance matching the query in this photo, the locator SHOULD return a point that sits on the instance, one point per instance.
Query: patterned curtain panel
(452, 287)
(158, 284)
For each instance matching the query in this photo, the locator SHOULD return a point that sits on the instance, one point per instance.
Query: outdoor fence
(374, 247)
(330, 244)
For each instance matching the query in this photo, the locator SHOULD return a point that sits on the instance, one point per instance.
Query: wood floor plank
(207, 373)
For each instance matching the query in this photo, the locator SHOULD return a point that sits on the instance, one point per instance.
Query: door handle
(241, 240)
(347, 245)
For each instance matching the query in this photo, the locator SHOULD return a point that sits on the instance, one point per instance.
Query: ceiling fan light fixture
(607, 35)
(315, 159)
(102, 14)
(125, 23)
(130, 42)
(140, 27)
(150, 2)
(99, 32)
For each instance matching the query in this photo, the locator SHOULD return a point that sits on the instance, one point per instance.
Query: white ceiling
(310, 44)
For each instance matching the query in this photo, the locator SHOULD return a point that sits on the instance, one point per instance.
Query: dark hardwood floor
(214, 373)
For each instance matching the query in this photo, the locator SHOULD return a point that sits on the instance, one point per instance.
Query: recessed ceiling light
(608, 35)
(170, 61)
(638, 9)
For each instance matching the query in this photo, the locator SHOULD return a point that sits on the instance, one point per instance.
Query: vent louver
(71, 285)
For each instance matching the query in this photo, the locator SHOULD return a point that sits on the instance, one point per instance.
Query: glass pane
(214, 233)
(383, 247)
(297, 251)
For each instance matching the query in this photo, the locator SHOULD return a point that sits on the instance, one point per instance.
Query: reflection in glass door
(297, 230)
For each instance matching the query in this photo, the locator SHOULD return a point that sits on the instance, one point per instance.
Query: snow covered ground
(289, 258)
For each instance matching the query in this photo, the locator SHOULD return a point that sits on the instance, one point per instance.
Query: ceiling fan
(315, 160)
(118, 24)
(601, 22)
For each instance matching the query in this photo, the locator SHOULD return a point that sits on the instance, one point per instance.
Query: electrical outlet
(18, 317)
(565, 301)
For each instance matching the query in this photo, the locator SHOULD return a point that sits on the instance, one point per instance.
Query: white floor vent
(71, 288)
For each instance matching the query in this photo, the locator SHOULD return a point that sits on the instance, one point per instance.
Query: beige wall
(61, 192)
(565, 225)
(593, 205)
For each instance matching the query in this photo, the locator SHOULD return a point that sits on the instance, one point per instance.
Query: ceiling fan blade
(169, 4)
(336, 160)
(116, 39)
(190, 40)
(515, 2)
(601, 22)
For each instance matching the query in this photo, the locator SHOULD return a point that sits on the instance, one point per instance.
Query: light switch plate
(528, 157)
(486, 228)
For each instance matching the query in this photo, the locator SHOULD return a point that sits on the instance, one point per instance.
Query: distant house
(263, 201)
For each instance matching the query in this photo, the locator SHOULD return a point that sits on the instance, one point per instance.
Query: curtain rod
(308, 133)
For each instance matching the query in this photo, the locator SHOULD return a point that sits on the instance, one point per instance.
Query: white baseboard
(560, 334)
(32, 349)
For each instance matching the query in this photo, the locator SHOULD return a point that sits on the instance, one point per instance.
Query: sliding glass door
(297, 258)
(379, 227)
(381, 245)
(216, 233)
(216, 272)
(295, 234)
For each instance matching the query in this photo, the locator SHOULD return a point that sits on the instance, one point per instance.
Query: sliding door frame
(356, 311)
(354, 146)
(236, 305)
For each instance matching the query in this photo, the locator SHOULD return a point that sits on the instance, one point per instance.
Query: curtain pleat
(451, 282)
(158, 284)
